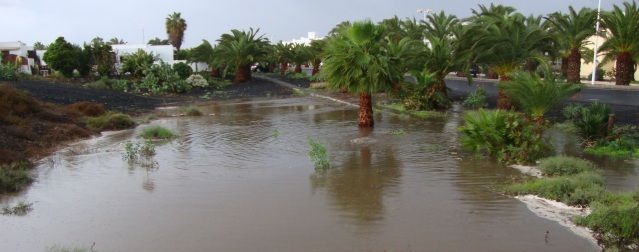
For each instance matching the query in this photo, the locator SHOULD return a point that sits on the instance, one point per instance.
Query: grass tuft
(192, 111)
(564, 165)
(110, 121)
(14, 177)
(157, 132)
(318, 155)
(575, 190)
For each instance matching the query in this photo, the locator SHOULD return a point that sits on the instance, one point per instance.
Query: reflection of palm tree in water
(358, 186)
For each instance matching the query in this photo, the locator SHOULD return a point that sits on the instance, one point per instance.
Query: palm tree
(357, 59)
(571, 31)
(300, 55)
(283, 55)
(241, 49)
(158, 41)
(316, 53)
(505, 42)
(440, 25)
(536, 95)
(115, 41)
(622, 41)
(175, 27)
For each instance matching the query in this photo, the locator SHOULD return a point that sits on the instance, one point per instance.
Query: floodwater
(240, 180)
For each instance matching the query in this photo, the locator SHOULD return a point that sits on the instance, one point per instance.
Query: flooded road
(241, 180)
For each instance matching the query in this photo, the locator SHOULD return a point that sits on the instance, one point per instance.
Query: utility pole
(594, 61)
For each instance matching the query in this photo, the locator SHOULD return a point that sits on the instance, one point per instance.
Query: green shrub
(183, 70)
(120, 85)
(15, 176)
(157, 132)
(571, 111)
(136, 63)
(101, 84)
(591, 121)
(318, 155)
(420, 95)
(110, 121)
(162, 78)
(504, 135)
(197, 80)
(576, 190)
(564, 165)
(615, 219)
(476, 99)
(133, 152)
(192, 111)
(8, 72)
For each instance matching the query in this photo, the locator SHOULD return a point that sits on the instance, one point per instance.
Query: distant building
(21, 54)
(304, 40)
(608, 67)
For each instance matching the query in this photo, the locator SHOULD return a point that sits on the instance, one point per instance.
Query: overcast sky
(82, 20)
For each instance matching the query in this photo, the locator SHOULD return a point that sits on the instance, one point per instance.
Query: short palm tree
(175, 27)
(622, 42)
(503, 40)
(536, 95)
(241, 49)
(571, 32)
(283, 54)
(301, 56)
(316, 54)
(357, 60)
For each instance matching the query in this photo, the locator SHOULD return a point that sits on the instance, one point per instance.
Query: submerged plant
(192, 111)
(133, 152)
(476, 99)
(15, 176)
(22, 208)
(318, 155)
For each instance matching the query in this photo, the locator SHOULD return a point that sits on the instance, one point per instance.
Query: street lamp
(594, 61)
(425, 12)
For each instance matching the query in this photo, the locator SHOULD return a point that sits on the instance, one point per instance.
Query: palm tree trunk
(573, 68)
(564, 66)
(271, 67)
(298, 68)
(625, 67)
(316, 66)
(215, 72)
(283, 68)
(503, 102)
(492, 74)
(242, 74)
(365, 110)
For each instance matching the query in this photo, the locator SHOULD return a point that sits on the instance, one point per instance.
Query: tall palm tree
(440, 25)
(241, 49)
(316, 53)
(357, 59)
(283, 54)
(301, 55)
(504, 40)
(175, 27)
(622, 41)
(571, 32)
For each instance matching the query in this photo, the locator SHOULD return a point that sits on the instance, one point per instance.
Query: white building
(304, 40)
(19, 53)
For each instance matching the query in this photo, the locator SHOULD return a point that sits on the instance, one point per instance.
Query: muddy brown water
(241, 180)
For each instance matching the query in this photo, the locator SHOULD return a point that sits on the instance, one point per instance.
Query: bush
(162, 78)
(101, 84)
(64, 57)
(157, 132)
(591, 121)
(318, 155)
(476, 99)
(136, 63)
(120, 85)
(110, 121)
(615, 219)
(8, 72)
(197, 80)
(419, 95)
(504, 135)
(15, 176)
(183, 70)
(576, 190)
(564, 165)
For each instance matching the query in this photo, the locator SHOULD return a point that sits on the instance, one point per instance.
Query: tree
(316, 54)
(116, 41)
(622, 42)
(536, 95)
(39, 46)
(136, 63)
(64, 57)
(505, 42)
(158, 41)
(283, 54)
(571, 31)
(241, 49)
(175, 27)
(100, 55)
(301, 55)
(357, 59)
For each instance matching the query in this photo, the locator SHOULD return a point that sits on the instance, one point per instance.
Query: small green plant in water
(192, 111)
(476, 99)
(318, 155)
(21, 209)
(276, 133)
(135, 151)
(157, 132)
(397, 132)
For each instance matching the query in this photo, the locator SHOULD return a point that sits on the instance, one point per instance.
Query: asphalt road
(624, 103)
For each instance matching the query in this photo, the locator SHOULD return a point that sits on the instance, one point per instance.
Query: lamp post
(594, 61)
(425, 12)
